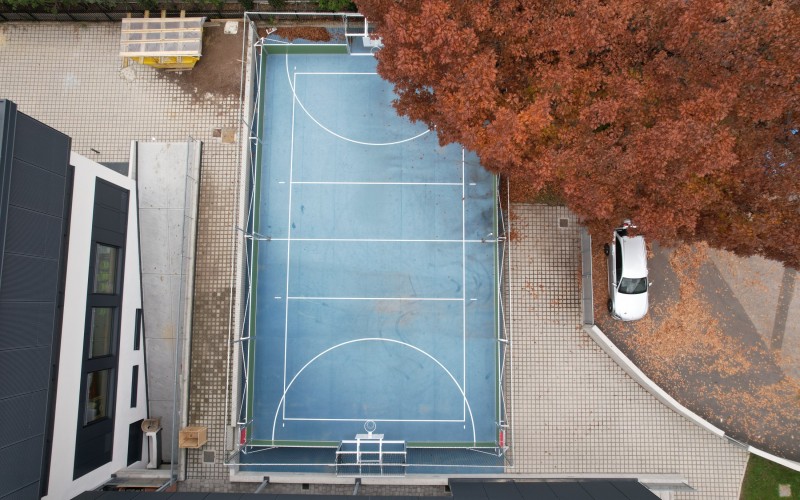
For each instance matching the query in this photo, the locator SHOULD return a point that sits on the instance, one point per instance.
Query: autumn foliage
(681, 114)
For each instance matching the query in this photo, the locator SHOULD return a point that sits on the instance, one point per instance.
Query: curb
(643, 380)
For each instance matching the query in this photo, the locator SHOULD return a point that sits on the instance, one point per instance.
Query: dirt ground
(218, 71)
(698, 344)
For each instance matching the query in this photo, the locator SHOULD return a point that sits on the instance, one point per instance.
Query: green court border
(334, 49)
(306, 48)
(262, 71)
(410, 444)
(497, 350)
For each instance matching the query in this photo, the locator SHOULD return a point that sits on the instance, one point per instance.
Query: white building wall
(61, 484)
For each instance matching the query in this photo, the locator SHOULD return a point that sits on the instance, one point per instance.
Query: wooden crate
(192, 437)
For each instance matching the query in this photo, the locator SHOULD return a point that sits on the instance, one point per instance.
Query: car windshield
(633, 285)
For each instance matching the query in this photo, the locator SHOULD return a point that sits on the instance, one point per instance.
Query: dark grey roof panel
(571, 491)
(506, 490)
(30, 492)
(21, 416)
(30, 233)
(24, 324)
(603, 490)
(537, 490)
(19, 468)
(27, 279)
(89, 495)
(24, 371)
(187, 495)
(122, 495)
(468, 490)
(634, 490)
(36, 189)
(42, 145)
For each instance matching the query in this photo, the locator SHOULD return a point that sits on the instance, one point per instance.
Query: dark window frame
(139, 331)
(134, 386)
(94, 440)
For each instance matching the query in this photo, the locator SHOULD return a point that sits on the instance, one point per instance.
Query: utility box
(192, 437)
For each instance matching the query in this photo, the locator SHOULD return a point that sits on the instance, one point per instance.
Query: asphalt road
(701, 344)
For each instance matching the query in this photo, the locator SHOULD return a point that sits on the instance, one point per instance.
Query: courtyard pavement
(574, 411)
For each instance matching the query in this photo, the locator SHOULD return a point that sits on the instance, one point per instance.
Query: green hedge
(83, 5)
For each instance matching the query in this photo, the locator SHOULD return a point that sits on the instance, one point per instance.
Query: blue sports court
(373, 279)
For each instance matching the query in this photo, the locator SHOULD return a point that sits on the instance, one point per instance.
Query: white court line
(346, 183)
(374, 420)
(376, 240)
(330, 73)
(464, 275)
(282, 402)
(288, 255)
(421, 299)
(293, 86)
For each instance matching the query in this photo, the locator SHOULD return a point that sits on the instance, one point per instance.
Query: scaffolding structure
(164, 42)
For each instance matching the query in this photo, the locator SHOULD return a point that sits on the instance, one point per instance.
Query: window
(618, 257)
(137, 335)
(105, 269)
(97, 396)
(99, 371)
(134, 386)
(101, 332)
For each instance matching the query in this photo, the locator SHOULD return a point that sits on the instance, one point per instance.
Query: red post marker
(242, 436)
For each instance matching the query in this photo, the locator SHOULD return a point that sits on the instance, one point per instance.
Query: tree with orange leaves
(682, 114)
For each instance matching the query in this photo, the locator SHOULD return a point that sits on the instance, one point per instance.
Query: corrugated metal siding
(33, 233)
(34, 160)
(24, 324)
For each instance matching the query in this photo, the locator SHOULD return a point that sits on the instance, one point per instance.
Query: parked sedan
(627, 274)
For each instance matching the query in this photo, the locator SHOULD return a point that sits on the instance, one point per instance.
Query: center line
(439, 299)
(366, 183)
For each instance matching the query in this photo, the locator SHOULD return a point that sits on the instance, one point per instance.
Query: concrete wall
(168, 178)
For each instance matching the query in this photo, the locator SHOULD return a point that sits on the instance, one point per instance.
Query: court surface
(374, 282)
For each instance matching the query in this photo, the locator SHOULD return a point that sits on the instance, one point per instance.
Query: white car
(627, 275)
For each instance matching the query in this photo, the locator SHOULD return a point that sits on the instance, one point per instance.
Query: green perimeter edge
(317, 49)
(410, 444)
(311, 48)
(262, 70)
(498, 389)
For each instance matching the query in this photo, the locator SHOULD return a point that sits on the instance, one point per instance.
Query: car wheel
(610, 306)
(606, 249)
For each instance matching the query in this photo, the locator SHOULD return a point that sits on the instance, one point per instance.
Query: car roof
(634, 253)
